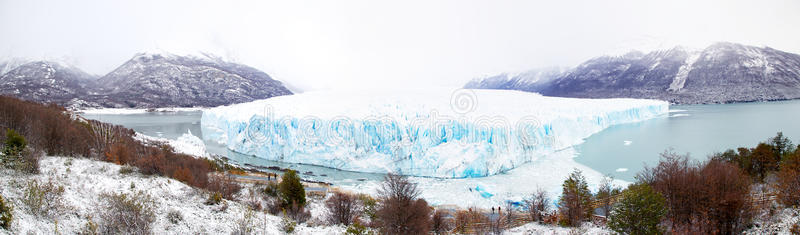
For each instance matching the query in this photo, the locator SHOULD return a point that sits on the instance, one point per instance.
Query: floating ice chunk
(483, 191)
(627, 142)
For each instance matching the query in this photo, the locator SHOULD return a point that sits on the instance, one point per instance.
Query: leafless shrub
(224, 185)
(44, 199)
(122, 213)
(538, 205)
(461, 222)
(297, 213)
(174, 216)
(244, 225)
(252, 199)
(274, 206)
(89, 228)
(439, 222)
(342, 208)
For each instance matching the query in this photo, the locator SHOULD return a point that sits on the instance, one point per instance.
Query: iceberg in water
(435, 133)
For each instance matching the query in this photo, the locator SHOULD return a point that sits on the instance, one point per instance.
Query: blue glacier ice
(431, 133)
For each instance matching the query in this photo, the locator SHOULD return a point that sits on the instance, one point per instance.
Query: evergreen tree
(575, 203)
(781, 146)
(15, 143)
(639, 211)
(12, 149)
(291, 190)
(6, 213)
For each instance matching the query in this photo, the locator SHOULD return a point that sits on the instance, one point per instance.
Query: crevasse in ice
(435, 132)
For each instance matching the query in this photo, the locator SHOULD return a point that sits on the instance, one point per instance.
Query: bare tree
(538, 205)
(606, 193)
(342, 208)
(401, 212)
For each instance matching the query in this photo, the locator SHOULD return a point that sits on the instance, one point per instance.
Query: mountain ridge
(147, 80)
(723, 72)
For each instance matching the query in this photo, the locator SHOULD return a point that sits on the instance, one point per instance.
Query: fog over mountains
(148, 80)
(720, 73)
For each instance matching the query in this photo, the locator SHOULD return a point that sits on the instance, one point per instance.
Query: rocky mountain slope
(159, 80)
(720, 73)
(145, 81)
(46, 82)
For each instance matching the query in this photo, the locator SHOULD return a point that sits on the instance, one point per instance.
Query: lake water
(699, 130)
(620, 150)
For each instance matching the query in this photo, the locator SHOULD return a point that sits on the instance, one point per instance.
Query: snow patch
(186, 143)
(85, 180)
(683, 72)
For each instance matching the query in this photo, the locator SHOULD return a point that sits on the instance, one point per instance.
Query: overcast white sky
(342, 44)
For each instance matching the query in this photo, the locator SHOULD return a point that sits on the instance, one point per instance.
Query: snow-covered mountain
(10, 64)
(148, 80)
(160, 80)
(720, 73)
(531, 80)
(46, 82)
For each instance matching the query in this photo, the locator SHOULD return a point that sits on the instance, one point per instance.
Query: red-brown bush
(342, 208)
(726, 198)
(710, 197)
(58, 132)
(224, 185)
(789, 180)
(401, 212)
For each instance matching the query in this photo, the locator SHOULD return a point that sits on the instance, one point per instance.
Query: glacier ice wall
(434, 133)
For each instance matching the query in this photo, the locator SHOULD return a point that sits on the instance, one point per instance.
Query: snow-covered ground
(85, 180)
(536, 228)
(547, 173)
(441, 133)
(780, 222)
(187, 143)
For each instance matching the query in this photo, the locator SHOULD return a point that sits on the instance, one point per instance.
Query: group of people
(270, 176)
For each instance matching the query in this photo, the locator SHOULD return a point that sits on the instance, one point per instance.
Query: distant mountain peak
(147, 80)
(720, 73)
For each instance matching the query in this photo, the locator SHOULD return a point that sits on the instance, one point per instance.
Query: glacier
(442, 133)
